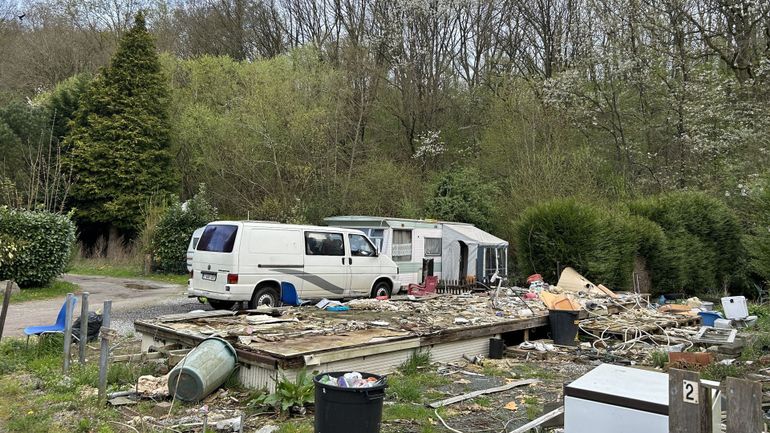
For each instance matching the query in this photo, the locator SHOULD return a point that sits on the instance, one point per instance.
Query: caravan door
(327, 272)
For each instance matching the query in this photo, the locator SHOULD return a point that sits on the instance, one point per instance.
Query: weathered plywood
(691, 416)
(744, 406)
(319, 343)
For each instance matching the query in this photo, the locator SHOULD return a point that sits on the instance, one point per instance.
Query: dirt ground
(128, 296)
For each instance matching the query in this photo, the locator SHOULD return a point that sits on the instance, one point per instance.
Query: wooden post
(83, 328)
(744, 406)
(6, 301)
(689, 403)
(105, 351)
(70, 310)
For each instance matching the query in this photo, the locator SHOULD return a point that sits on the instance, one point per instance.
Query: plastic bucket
(348, 410)
(708, 318)
(203, 370)
(496, 348)
(563, 326)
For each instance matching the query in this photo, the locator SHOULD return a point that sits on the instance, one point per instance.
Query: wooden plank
(744, 406)
(459, 398)
(472, 332)
(539, 420)
(180, 317)
(688, 403)
(6, 301)
(356, 352)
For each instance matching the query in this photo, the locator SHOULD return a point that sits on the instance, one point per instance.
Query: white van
(247, 261)
(196, 236)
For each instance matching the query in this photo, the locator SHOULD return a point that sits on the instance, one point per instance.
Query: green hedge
(690, 241)
(44, 239)
(172, 235)
(597, 243)
(704, 249)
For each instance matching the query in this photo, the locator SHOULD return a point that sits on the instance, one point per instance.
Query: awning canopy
(473, 238)
(471, 234)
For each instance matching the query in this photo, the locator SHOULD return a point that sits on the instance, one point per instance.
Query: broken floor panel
(373, 336)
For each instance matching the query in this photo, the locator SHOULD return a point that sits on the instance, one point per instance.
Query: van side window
(324, 244)
(360, 246)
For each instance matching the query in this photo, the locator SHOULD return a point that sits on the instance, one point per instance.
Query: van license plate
(209, 277)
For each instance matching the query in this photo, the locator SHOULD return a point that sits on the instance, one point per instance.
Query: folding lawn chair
(56, 328)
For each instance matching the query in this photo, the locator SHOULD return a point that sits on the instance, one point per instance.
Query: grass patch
(36, 397)
(416, 362)
(532, 371)
(121, 270)
(412, 383)
(297, 426)
(57, 289)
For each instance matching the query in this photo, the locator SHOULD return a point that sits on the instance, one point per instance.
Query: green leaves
(172, 235)
(690, 241)
(34, 246)
(120, 142)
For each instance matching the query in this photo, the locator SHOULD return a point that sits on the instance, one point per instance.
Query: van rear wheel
(265, 297)
(221, 305)
(382, 288)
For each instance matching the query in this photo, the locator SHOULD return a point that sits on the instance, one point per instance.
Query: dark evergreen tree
(120, 140)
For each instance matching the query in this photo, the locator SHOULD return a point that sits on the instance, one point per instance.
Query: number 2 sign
(691, 391)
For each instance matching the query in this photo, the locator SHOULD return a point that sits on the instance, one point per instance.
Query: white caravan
(460, 251)
(247, 261)
(196, 236)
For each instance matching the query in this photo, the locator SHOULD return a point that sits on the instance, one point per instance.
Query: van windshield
(218, 238)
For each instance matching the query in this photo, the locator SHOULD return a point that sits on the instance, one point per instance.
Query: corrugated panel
(384, 363)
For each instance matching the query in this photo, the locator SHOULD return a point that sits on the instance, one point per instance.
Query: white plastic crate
(735, 307)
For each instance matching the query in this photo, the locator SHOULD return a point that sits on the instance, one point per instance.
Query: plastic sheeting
(473, 237)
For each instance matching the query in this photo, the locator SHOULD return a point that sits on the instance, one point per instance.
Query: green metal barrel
(203, 370)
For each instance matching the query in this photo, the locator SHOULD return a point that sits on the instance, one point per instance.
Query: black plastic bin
(563, 326)
(348, 410)
(496, 348)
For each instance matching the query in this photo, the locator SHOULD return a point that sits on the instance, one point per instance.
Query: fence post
(70, 310)
(689, 403)
(83, 328)
(105, 351)
(744, 406)
(6, 301)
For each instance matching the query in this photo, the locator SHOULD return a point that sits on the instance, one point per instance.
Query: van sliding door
(327, 272)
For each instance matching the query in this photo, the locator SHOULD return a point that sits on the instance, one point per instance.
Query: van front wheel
(382, 288)
(264, 297)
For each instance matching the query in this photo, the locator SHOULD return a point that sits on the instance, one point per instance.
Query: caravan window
(432, 246)
(377, 236)
(490, 261)
(324, 244)
(402, 246)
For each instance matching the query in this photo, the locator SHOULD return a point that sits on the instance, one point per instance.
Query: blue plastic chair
(56, 328)
(289, 294)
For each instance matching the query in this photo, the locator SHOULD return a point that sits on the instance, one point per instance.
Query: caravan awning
(471, 234)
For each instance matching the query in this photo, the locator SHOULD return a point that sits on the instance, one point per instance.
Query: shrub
(45, 239)
(704, 249)
(462, 195)
(598, 243)
(173, 232)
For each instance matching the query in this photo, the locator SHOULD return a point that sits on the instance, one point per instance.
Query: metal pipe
(105, 351)
(83, 328)
(70, 310)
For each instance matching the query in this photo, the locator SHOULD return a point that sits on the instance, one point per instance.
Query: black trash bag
(94, 325)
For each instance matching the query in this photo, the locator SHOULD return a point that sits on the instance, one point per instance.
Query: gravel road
(132, 299)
